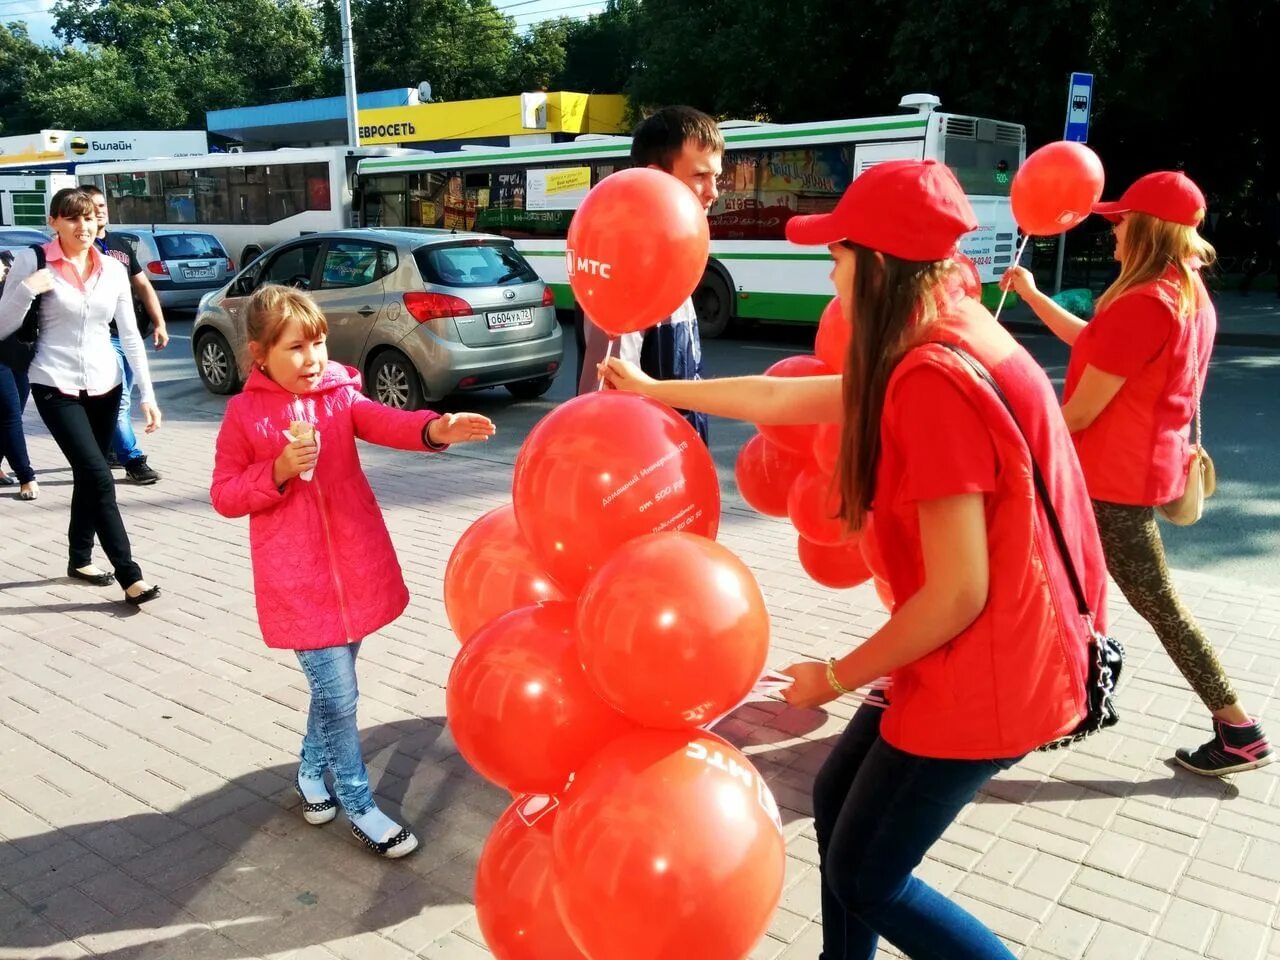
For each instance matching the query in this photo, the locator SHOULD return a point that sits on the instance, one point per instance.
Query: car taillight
(231, 265)
(432, 306)
(158, 267)
(548, 297)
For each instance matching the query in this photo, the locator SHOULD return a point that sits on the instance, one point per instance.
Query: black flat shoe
(97, 579)
(142, 598)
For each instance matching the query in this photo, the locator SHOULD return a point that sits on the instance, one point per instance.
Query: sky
(36, 13)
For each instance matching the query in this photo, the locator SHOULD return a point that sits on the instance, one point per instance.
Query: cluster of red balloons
(789, 471)
(601, 626)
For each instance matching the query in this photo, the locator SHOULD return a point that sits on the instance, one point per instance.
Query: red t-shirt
(1136, 450)
(1015, 678)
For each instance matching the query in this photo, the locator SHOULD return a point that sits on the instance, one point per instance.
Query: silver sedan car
(421, 313)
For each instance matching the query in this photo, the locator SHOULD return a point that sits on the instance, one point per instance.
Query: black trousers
(83, 426)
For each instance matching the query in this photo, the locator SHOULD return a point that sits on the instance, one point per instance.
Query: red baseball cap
(912, 209)
(1166, 195)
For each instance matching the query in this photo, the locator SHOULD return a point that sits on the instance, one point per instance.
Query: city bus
(771, 172)
(249, 201)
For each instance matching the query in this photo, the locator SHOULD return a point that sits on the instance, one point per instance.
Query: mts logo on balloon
(594, 268)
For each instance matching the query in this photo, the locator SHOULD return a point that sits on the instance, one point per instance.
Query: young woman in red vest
(986, 650)
(1135, 377)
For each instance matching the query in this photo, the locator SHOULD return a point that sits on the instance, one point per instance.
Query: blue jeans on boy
(14, 391)
(125, 442)
(877, 811)
(333, 737)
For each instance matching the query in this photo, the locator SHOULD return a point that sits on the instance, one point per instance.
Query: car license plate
(208, 273)
(502, 319)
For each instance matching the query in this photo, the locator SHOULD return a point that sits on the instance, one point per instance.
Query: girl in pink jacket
(324, 571)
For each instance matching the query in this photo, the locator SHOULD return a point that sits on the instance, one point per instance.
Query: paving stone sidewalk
(146, 758)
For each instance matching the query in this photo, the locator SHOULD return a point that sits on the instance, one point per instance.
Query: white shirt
(73, 347)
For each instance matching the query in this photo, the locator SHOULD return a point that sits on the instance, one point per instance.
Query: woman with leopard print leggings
(1133, 385)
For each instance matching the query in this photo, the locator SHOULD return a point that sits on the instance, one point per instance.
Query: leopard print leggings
(1135, 559)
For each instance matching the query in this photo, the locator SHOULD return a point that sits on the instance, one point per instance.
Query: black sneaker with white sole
(138, 472)
(1232, 750)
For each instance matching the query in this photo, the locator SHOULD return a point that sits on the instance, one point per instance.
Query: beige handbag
(1202, 477)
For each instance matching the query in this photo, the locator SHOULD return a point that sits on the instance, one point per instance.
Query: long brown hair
(894, 302)
(1151, 247)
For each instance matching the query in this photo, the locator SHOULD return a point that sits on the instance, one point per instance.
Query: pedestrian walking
(687, 144)
(985, 666)
(324, 570)
(125, 450)
(75, 377)
(1134, 383)
(14, 392)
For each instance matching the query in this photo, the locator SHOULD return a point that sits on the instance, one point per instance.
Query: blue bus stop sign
(1079, 105)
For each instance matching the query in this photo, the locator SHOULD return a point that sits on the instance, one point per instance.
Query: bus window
(983, 154)
(762, 189)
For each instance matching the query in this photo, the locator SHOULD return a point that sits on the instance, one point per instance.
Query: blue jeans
(14, 391)
(877, 811)
(125, 442)
(333, 737)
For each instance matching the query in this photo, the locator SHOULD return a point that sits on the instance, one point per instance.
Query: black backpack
(17, 349)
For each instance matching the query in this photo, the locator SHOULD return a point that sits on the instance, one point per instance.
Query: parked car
(182, 265)
(421, 313)
(19, 238)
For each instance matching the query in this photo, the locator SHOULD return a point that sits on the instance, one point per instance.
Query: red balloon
(838, 567)
(604, 468)
(826, 447)
(798, 438)
(673, 630)
(492, 571)
(1056, 188)
(813, 506)
(831, 344)
(764, 474)
(669, 845)
(515, 904)
(520, 708)
(636, 249)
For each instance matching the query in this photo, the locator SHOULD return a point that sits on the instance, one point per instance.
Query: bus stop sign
(1079, 105)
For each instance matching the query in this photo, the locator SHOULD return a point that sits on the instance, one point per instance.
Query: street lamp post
(349, 73)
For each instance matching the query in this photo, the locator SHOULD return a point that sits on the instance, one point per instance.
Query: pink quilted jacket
(324, 570)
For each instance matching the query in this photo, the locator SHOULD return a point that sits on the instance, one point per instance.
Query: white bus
(771, 173)
(249, 201)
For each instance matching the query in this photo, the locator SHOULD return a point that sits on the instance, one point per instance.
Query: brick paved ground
(146, 758)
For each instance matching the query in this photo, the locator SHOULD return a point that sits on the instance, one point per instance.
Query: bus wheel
(393, 380)
(714, 305)
(216, 364)
(249, 254)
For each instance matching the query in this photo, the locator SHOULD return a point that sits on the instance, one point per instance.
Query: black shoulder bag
(1106, 654)
(17, 349)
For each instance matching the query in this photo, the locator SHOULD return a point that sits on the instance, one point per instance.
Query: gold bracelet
(836, 685)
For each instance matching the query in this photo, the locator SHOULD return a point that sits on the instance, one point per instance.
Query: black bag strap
(31, 322)
(1042, 489)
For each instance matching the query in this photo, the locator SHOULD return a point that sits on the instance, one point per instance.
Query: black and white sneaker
(138, 472)
(317, 814)
(394, 847)
(1232, 750)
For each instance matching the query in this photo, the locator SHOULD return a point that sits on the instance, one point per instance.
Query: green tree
(464, 48)
(538, 58)
(600, 51)
(166, 64)
(20, 60)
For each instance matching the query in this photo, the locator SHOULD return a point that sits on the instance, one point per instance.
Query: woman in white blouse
(75, 377)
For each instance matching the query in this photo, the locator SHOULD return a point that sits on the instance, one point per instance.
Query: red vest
(1015, 678)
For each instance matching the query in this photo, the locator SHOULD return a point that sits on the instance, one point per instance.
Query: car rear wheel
(530, 389)
(216, 363)
(394, 381)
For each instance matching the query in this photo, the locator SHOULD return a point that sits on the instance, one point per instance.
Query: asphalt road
(1239, 536)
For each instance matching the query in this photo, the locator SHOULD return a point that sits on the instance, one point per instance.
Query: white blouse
(73, 346)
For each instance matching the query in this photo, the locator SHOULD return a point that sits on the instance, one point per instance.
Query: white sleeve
(135, 350)
(17, 297)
